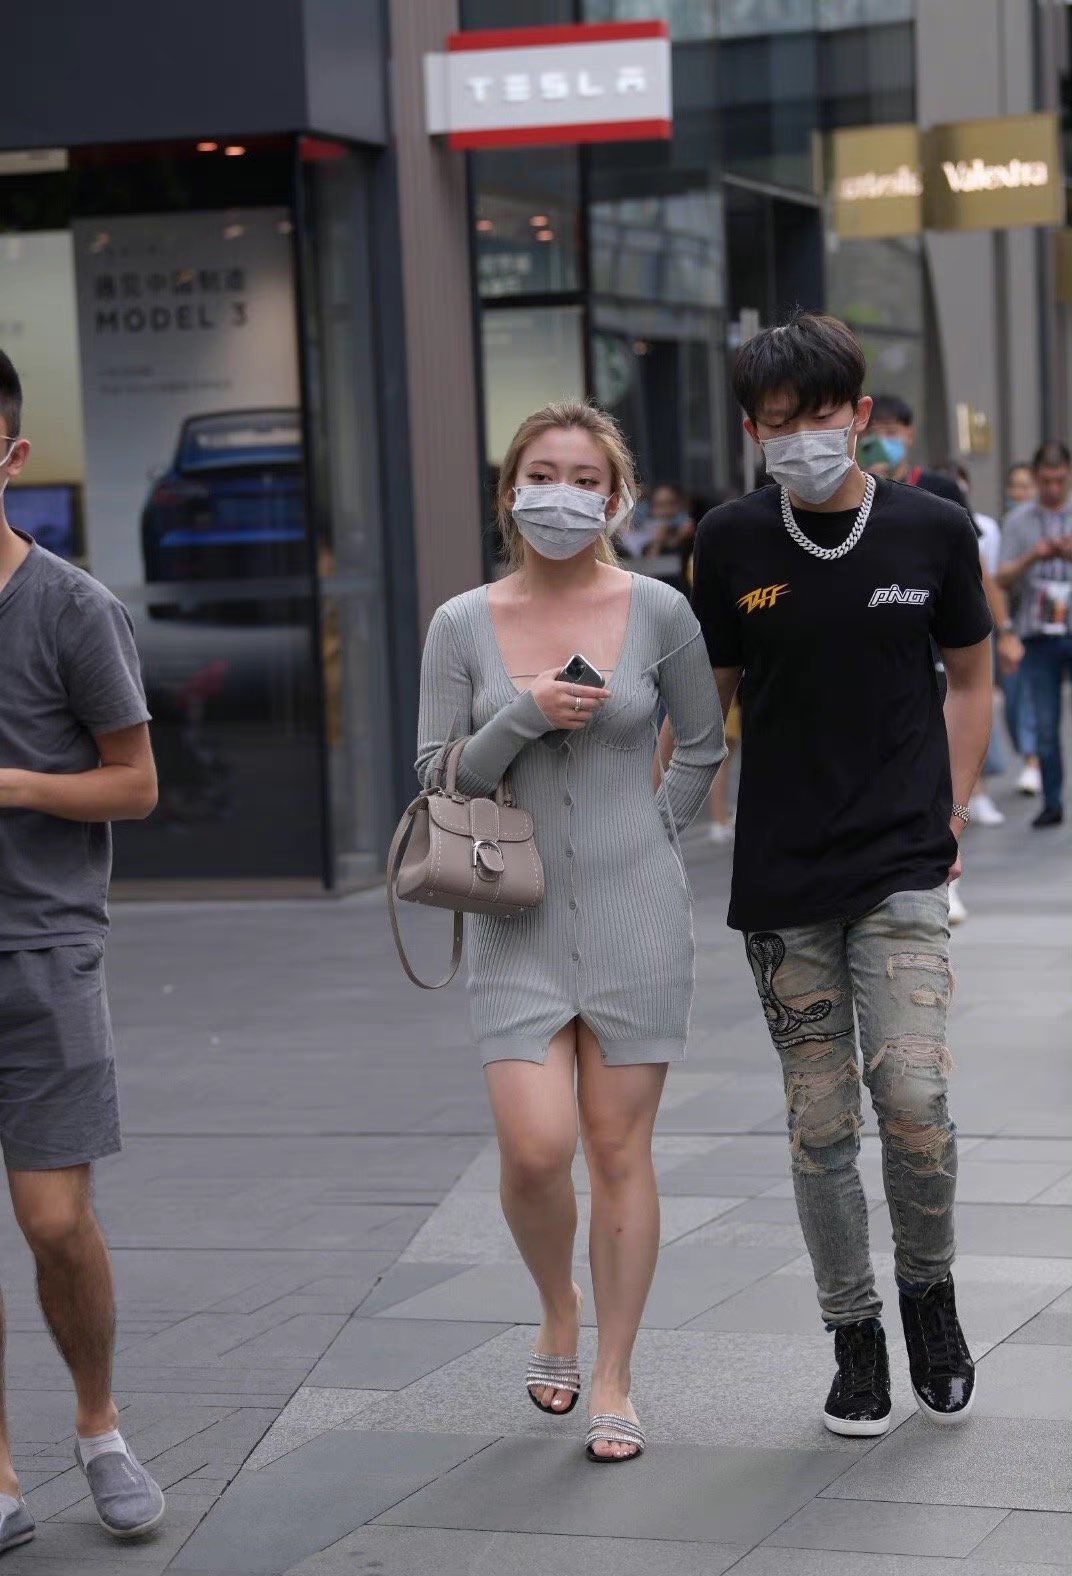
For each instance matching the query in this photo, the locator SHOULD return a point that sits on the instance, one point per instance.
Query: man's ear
(863, 412)
(750, 427)
(19, 455)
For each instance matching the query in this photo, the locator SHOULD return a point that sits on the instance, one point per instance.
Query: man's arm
(1010, 573)
(121, 788)
(1010, 646)
(726, 682)
(968, 714)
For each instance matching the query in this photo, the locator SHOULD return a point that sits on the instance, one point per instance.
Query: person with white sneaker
(826, 592)
(74, 756)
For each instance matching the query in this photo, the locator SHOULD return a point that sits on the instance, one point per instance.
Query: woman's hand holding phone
(564, 704)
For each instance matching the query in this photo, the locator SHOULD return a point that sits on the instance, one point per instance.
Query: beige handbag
(476, 856)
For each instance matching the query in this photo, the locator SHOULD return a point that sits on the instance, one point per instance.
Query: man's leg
(54, 1210)
(1042, 668)
(899, 961)
(806, 993)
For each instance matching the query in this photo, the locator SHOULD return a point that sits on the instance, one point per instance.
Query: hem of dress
(616, 1053)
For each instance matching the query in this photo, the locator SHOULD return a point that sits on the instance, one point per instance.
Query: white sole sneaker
(944, 1419)
(853, 1430)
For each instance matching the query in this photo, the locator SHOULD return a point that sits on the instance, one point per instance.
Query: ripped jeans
(893, 965)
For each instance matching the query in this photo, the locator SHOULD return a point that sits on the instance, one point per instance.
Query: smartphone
(579, 670)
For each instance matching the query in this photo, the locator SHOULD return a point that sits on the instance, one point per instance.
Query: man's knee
(55, 1222)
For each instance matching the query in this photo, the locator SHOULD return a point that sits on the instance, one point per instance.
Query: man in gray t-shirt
(74, 755)
(1036, 570)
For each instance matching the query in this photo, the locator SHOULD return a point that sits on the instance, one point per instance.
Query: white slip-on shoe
(984, 812)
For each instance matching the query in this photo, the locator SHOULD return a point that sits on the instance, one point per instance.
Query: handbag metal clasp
(488, 858)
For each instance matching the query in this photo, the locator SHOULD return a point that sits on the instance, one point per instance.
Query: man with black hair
(825, 591)
(1036, 570)
(893, 422)
(74, 756)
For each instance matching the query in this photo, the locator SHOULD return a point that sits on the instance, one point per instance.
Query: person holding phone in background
(580, 1004)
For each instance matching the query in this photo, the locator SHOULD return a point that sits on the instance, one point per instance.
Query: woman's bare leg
(618, 1106)
(535, 1110)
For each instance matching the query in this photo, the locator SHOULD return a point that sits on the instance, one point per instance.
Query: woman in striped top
(579, 1005)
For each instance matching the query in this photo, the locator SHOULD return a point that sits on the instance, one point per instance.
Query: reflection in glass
(526, 221)
(531, 356)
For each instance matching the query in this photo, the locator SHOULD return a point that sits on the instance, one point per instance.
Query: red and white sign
(514, 87)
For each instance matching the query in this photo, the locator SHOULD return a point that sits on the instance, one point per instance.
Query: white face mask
(559, 520)
(813, 464)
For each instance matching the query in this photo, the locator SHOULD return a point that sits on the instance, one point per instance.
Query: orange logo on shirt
(762, 596)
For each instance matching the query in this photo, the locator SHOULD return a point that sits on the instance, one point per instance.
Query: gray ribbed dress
(612, 940)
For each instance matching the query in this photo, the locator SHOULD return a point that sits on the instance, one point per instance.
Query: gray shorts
(59, 1105)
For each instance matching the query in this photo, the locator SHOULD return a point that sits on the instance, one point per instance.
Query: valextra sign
(512, 87)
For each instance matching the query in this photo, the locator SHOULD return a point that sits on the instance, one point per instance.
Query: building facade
(275, 338)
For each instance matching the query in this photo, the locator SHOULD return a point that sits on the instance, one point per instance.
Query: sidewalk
(324, 1323)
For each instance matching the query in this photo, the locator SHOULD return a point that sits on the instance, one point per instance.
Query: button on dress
(612, 941)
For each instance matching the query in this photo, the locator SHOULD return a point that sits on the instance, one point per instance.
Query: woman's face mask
(559, 520)
(812, 464)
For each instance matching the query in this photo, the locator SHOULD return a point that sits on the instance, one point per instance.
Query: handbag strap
(399, 843)
(451, 757)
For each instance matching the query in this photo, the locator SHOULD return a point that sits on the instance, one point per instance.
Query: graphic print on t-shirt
(845, 794)
(762, 596)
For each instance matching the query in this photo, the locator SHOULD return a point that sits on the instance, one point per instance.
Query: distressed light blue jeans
(892, 966)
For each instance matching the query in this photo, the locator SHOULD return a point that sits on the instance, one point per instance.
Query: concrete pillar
(438, 305)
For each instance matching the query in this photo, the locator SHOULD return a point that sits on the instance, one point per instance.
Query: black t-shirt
(845, 792)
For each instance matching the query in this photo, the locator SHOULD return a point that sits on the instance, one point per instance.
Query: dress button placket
(567, 800)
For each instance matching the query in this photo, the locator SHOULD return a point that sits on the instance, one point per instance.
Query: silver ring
(576, 703)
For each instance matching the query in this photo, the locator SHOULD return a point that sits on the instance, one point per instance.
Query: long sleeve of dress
(687, 686)
(446, 712)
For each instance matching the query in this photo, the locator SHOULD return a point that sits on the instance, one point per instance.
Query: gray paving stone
(1045, 1536)
(1015, 1463)
(1025, 1381)
(1051, 1327)
(386, 1354)
(340, 1481)
(687, 1281)
(402, 1281)
(310, 1413)
(768, 1561)
(869, 1527)
(688, 1387)
(406, 1551)
(672, 1492)
(1016, 1228)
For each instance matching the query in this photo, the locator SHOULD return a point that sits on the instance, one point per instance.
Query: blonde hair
(559, 414)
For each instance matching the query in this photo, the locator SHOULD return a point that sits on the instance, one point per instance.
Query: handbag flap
(515, 826)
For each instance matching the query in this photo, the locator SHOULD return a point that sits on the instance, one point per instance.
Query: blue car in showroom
(232, 502)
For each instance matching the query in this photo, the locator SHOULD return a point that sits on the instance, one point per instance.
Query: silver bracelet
(962, 813)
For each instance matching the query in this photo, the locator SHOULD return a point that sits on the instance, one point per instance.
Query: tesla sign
(607, 82)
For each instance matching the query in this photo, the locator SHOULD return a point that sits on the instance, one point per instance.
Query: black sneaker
(859, 1399)
(943, 1374)
(1052, 815)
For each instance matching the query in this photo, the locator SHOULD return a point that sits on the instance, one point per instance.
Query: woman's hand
(566, 705)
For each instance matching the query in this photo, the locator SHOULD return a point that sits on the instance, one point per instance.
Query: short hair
(891, 407)
(815, 358)
(10, 397)
(1017, 465)
(1054, 453)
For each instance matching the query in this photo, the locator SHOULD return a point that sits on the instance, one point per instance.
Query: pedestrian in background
(1036, 569)
(826, 592)
(74, 756)
(580, 1004)
(1019, 706)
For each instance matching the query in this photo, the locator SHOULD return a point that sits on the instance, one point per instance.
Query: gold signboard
(994, 174)
(969, 175)
(875, 181)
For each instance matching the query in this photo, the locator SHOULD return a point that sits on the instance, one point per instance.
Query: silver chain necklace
(789, 521)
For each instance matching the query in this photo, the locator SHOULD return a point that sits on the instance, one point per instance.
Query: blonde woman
(580, 1005)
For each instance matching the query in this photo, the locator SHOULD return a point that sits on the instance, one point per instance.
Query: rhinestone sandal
(615, 1430)
(559, 1373)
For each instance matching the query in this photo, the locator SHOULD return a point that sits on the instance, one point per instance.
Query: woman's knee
(534, 1163)
(617, 1154)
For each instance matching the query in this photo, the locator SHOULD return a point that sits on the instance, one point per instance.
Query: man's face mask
(811, 464)
(560, 520)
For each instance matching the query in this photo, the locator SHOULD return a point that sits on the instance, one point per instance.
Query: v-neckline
(626, 638)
